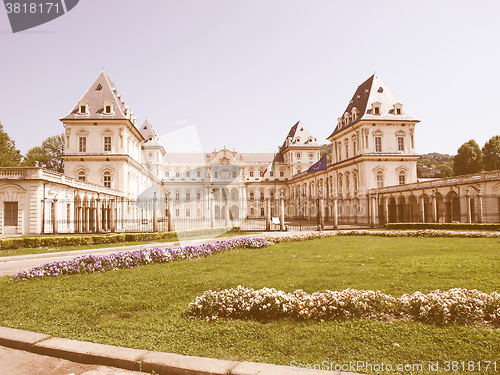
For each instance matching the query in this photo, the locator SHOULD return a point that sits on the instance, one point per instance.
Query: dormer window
(398, 109)
(376, 108)
(108, 107)
(99, 87)
(346, 118)
(83, 107)
(354, 113)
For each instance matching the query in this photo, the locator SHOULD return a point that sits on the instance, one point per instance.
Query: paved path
(12, 265)
(20, 362)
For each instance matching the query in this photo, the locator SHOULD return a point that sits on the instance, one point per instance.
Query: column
(54, 216)
(422, 208)
(434, 209)
(97, 216)
(387, 217)
(112, 216)
(282, 214)
(467, 205)
(480, 208)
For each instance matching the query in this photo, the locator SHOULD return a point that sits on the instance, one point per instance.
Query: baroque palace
(118, 177)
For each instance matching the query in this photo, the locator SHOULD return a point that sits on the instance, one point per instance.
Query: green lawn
(145, 307)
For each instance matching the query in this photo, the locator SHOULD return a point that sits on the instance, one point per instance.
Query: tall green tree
(9, 155)
(48, 155)
(491, 154)
(469, 159)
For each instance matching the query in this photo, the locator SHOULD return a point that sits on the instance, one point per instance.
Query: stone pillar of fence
(282, 214)
(335, 213)
(372, 212)
(155, 217)
(98, 214)
(55, 229)
(227, 221)
(480, 215)
(321, 214)
(212, 212)
(268, 214)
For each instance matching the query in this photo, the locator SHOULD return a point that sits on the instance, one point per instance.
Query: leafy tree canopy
(9, 155)
(469, 159)
(491, 154)
(48, 155)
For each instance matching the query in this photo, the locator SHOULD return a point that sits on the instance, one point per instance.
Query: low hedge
(444, 226)
(81, 240)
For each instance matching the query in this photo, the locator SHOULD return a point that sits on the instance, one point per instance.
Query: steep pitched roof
(299, 136)
(147, 130)
(101, 90)
(371, 91)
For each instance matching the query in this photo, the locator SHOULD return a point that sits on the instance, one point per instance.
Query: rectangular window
(108, 109)
(82, 144)
(271, 174)
(188, 212)
(234, 174)
(377, 110)
(216, 174)
(282, 174)
(298, 155)
(150, 156)
(167, 174)
(378, 144)
(401, 144)
(251, 196)
(107, 143)
(251, 173)
(402, 179)
(10, 213)
(188, 174)
(177, 212)
(107, 181)
(198, 174)
(261, 173)
(83, 109)
(177, 196)
(177, 174)
(311, 155)
(380, 180)
(188, 196)
(346, 151)
(261, 195)
(198, 197)
(262, 212)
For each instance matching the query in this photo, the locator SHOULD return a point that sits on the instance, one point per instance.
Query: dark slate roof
(371, 91)
(304, 141)
(147, 130)
(102, 89)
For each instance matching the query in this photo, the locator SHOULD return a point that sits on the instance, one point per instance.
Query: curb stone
(139, 359)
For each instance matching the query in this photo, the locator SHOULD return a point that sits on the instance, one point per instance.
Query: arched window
(82, 176)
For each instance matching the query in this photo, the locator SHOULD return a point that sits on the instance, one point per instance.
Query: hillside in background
(435, 165)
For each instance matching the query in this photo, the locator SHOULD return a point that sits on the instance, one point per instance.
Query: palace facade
(119, 177)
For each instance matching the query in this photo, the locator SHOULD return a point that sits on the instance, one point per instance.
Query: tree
(469, 159)
(48, 155)
(491, 154)
(9, 155)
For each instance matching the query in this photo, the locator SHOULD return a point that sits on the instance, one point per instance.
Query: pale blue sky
(243, 72)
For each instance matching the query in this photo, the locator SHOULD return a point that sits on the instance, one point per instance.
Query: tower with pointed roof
(299, 150)
(152, 150)
(103, 144)
(373, 142)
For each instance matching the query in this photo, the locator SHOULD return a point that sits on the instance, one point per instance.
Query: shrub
(456, 226)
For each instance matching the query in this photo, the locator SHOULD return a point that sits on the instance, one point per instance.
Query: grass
(145, 307)
(43, 250)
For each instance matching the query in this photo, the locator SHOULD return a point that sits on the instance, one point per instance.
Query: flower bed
(455, 306)
(131, 259)
(381, 233)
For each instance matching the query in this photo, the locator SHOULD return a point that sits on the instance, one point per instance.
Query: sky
(240, 73)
